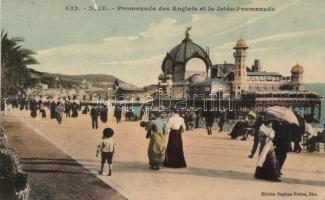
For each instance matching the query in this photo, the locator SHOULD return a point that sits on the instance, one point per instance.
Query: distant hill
(88, 77)
(55, 80)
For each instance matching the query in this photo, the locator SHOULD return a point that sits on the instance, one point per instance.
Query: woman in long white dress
(267, 165)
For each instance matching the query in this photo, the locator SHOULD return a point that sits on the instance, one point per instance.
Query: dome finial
(187, 34)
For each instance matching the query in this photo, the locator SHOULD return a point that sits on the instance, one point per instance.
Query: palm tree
(14, 60)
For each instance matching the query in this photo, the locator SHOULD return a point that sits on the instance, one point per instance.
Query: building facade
(248, 87)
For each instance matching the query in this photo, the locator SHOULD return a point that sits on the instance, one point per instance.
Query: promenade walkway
(218, 168)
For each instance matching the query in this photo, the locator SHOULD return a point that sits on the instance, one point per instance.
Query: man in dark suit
(94, 117)
(222, 120)
(67, 109)
(209, 119)
(257, 138)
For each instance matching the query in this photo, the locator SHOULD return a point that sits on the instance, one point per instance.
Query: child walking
(107, 148)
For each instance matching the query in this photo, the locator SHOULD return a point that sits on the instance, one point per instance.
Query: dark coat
(103, 114)
(94, 113)
(209, 118)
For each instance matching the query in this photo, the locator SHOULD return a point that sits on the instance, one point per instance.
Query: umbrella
(282, 113)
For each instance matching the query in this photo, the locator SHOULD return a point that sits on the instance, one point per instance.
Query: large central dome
(176, 59)
(187, 50)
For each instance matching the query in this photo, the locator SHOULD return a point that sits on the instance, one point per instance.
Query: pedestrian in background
(258, 138)
(107, 148)
(222, 120)
(209, 119)
(94, 117)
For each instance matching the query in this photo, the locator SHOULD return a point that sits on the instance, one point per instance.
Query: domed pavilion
(177, 58)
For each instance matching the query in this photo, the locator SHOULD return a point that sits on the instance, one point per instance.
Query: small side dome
(241, 44)
(297, 69)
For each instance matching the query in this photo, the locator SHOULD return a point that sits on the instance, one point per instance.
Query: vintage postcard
(162, 100)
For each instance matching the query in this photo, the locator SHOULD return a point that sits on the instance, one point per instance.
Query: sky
(131, 45)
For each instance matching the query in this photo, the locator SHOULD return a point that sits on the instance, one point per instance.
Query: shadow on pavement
(122, 166)
(45, 165)
(54, 171)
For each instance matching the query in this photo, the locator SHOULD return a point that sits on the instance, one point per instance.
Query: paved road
(51, 173)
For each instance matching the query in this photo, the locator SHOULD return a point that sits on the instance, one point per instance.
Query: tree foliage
(15, 77)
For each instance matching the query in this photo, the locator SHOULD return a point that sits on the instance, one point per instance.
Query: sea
(320, 89)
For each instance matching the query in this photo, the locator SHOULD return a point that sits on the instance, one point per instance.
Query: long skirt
(157, 149)
(33, 113)
(175, 154)
(270, 169)
(103, 116)
(43, 113)
(74, 113)
(52, 113)
(281, 155)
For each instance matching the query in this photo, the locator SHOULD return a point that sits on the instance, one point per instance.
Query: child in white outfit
(107, 148)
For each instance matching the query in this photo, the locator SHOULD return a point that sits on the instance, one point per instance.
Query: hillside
(88, 77)
(70, 81)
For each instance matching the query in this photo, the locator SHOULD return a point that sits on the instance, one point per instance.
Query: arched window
(195, 66)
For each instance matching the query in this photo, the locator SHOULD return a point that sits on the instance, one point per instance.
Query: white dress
(269, 133)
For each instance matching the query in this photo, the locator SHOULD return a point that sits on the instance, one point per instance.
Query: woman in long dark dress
(267, 166)
(33, 109)
(174, 153)
(43, 112)
(52, 110)
(103, 113)
(74, 110)
(22, 104)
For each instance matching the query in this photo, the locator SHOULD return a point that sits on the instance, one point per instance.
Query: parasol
(282, 113)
